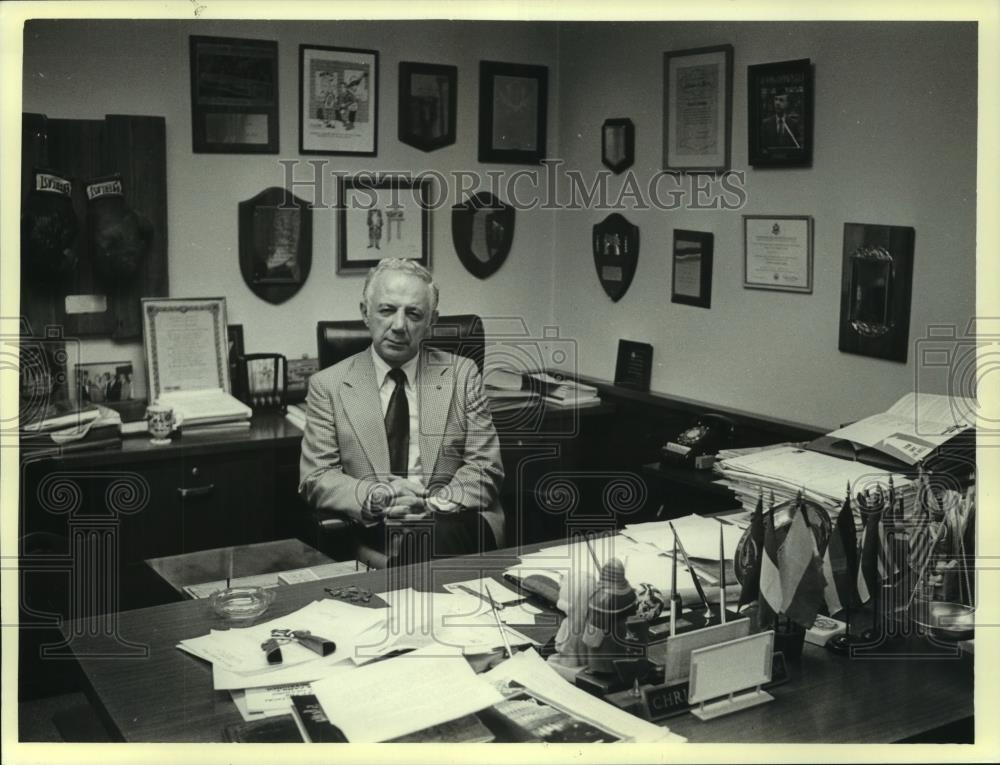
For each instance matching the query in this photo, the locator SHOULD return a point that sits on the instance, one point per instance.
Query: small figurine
(574, 598)
(604, 634)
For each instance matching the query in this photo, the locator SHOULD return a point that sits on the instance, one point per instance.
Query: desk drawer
(226, 499)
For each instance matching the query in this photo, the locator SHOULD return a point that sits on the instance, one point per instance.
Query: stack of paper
(205, 407)
(820, 477)
(645, 551)
(456, 621)
(528, 671)
(404, 694)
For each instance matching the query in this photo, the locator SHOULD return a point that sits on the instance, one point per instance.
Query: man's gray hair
(406, 267)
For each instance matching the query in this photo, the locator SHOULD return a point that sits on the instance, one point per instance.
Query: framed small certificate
(777, 252)
(187, 345)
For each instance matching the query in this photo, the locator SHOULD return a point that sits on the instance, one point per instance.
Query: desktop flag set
(840, 562)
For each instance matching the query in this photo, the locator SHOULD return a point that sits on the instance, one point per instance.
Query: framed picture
(697, 109)
(777, 252)
(427, 100)
(387, 217)
(780, 120)
(513, 99)
(618, 144)
(275, 244)
(234, 95)
(234, 334)
(691, 282)
(186, 343)
(875, 290)
(105, 382)
(338, 101)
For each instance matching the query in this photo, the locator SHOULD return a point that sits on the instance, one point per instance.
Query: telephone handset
(692, 446)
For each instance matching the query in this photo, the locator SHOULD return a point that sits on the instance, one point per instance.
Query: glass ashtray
(240, 603)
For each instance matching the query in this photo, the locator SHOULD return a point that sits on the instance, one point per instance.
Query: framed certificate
(697, 109)
(777, 252)
(186, 343)
(692, 268)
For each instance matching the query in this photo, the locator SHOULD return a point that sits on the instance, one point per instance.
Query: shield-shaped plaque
(616, 254)
(482, 228)
(275, 244)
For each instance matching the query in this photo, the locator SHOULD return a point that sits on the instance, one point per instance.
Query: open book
(913, 428)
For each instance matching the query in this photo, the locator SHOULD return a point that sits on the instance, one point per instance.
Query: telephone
(697, 445)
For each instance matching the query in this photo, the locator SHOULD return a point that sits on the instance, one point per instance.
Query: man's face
(781, 103)
(398, 315)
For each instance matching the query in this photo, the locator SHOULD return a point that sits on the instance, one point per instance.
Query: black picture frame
(512, 129)
(618, 144)
(275, 243)
(698, 109)
(428, 98)
(402, 198)
(634, 365)
(237, 377)
(781, 87)
(691, 268)
(234, 95)
(335, 120)
(876, 290)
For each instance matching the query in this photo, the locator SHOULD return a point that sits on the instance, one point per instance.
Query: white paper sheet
(397, 696)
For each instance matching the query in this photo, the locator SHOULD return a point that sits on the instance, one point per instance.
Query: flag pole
(722, 578)
(841, 644)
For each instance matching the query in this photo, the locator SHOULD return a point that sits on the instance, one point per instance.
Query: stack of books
(562, 391)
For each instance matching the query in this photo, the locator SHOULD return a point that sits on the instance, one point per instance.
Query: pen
(496, 615)
(593, 554)
(673, 591)
(722, 579)
(694, 574)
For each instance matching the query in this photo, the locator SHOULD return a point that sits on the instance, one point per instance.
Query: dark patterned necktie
(397, 425)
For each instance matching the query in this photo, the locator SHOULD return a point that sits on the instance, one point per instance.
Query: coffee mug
(161, 422)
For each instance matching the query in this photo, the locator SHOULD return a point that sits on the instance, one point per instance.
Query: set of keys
(279, 637)
(353, 593)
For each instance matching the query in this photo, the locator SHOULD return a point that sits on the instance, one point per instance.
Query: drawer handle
(197, 491)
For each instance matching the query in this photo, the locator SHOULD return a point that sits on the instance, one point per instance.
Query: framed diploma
(777, 252)
(186, 343)
(697, 109)
(692, 268)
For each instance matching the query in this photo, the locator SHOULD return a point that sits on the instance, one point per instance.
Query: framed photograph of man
(427, 100)
(338, 101)
(780, 102)
(234, 95)
(382, 217)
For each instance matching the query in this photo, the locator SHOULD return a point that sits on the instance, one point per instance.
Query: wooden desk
(167, 696)
(180, 571)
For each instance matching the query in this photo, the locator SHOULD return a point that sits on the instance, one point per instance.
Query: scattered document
(529, 670)
(202, 407)
(391, 698)
(500, 592)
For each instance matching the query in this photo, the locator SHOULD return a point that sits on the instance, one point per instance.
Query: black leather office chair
(461, 334)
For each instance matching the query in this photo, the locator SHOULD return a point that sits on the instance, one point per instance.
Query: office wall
(895, 143)
(86, 69)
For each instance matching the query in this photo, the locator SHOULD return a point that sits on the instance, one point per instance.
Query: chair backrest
(461, 334)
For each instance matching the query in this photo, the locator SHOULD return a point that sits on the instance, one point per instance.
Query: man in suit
(782, 129)
(401, 433)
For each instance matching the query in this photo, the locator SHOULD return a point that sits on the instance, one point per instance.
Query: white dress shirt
(414, 466)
